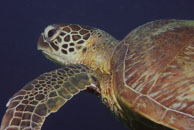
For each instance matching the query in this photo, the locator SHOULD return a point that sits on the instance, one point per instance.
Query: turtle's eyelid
(51, 32)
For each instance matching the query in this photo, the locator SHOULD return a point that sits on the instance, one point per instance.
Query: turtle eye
(51, 32)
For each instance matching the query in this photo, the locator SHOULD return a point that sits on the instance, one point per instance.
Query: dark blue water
(22, 21)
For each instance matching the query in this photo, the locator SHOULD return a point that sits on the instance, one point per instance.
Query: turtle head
(76, 44)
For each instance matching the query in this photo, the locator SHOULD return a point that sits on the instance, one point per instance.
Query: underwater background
(22, 21)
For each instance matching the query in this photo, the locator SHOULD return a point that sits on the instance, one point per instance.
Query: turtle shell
(153, 74)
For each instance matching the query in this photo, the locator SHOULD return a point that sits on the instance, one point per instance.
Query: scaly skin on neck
(99, 52)
(100, 49)
(75, 44)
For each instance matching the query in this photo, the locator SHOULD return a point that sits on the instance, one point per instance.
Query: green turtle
(146, 79)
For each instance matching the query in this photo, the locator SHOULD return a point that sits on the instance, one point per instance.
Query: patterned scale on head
(72, 43)
(73, 36)
(65, 39)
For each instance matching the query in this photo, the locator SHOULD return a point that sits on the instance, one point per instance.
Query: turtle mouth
(52, 58)
(58, 59)
(44, 47)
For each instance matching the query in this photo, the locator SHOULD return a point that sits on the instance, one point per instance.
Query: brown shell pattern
(156, 77)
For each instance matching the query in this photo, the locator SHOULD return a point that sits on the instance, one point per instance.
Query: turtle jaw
(55, 58)
(50, 53)
(52, 58)
(44, 47)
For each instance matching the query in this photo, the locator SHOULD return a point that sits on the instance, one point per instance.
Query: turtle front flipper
(29, 107)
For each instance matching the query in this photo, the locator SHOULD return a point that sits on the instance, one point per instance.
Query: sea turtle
(147, 79)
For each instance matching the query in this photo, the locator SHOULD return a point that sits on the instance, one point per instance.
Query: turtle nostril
(42, 44)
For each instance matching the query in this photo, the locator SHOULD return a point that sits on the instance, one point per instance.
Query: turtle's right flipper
(29, 107)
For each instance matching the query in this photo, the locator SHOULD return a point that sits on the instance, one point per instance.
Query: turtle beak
(43, 45)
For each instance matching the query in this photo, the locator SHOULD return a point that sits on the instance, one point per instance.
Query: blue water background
(22, 21)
